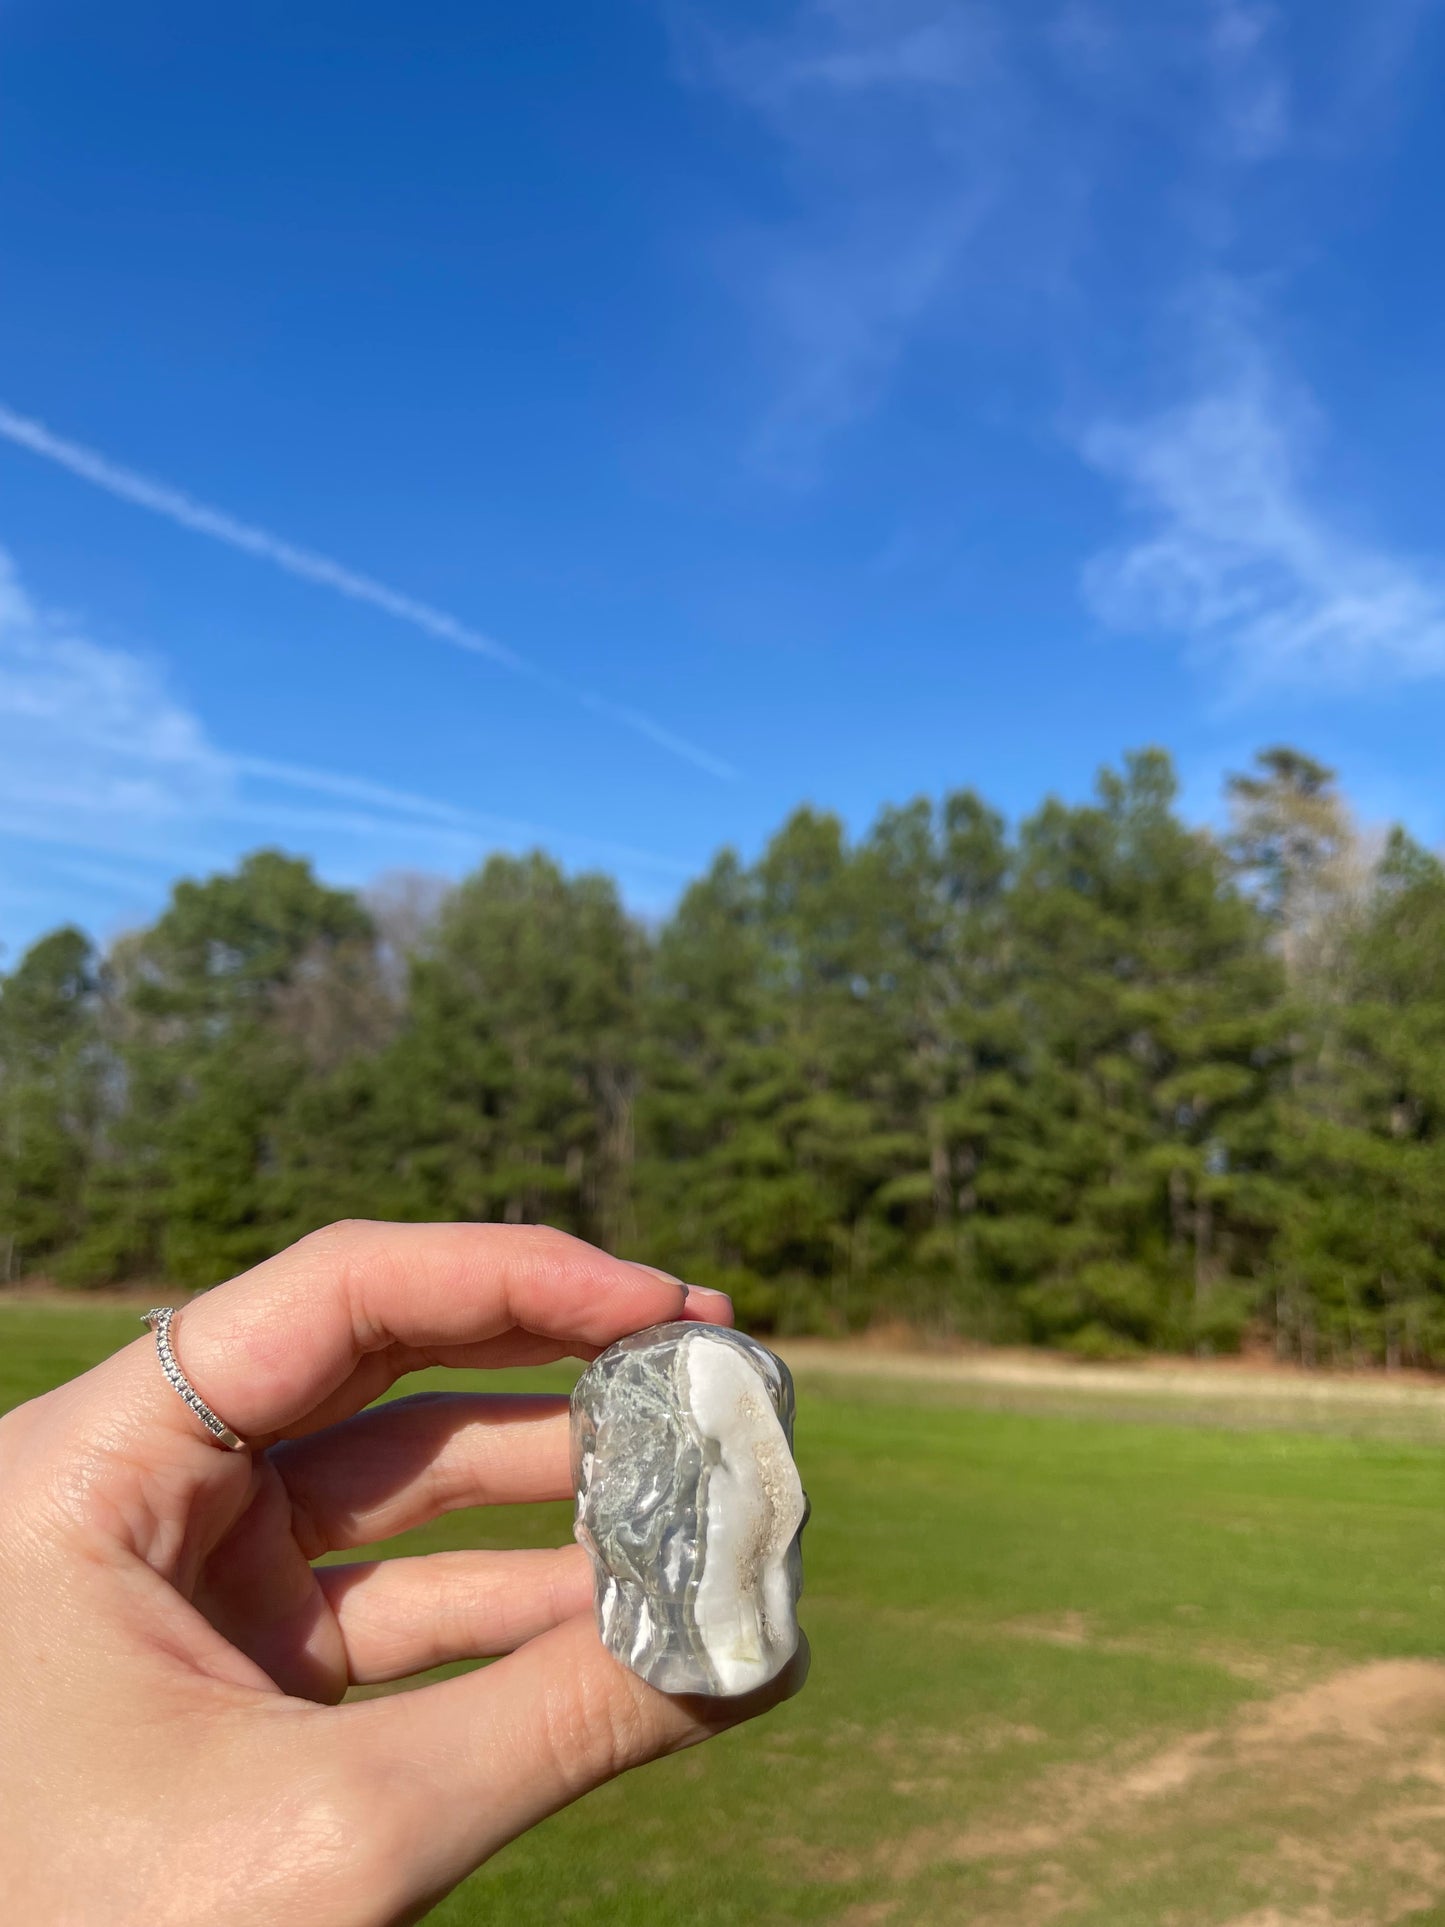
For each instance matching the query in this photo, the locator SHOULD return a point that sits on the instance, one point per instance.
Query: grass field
(1071, 1665)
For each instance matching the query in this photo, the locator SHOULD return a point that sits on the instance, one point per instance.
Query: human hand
(171, 1749)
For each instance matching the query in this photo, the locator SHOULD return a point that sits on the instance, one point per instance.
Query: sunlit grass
(1049, 1654)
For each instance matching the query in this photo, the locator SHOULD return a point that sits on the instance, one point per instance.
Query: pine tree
(1128, 1195)
(49, 1094)
(508, 1093)
(1113, 1082)
(1362, 1251)
(205, 1044)
(715, 1179)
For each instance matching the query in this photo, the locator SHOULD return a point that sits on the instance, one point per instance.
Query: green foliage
(1362, 1241)
(507, 1090)
(50, 1082)
(1107, 1082)
(206, 1047)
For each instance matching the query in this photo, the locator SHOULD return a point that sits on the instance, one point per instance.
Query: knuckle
(345, 1233)
(12, 1428)
(546, 1237)
(455, 1612)
(30, 1436)
(348, 1257)
(384, 1822)
(306, 1528)
(569, 1581)
(339, 1857)
(553, 1250)
(597, 1728)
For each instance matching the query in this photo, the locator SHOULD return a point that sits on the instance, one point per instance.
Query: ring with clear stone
(159, 1319)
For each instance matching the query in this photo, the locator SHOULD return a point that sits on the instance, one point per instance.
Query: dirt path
(1333, 1794)
(1224, 1391)
(1227, 1378)
(1229, 1391)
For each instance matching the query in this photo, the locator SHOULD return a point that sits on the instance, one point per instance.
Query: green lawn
(1067, 1669)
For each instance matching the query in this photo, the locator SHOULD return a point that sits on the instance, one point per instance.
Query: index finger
(271, 1346)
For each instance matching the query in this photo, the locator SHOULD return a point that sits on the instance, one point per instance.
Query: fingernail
(706, 1291)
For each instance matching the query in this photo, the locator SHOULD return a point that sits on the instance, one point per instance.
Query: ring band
(159, 1321)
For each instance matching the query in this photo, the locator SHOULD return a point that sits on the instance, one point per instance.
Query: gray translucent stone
(691, 1506)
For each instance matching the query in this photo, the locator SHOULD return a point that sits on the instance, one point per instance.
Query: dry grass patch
(1345, 1777)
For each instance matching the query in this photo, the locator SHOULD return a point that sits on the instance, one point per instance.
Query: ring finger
(399, 1616)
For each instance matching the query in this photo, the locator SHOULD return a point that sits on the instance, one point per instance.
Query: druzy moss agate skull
(690, 1504)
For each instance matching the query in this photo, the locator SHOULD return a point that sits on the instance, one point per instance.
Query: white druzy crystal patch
(691, 1507)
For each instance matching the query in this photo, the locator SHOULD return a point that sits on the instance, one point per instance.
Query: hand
(171, 1749)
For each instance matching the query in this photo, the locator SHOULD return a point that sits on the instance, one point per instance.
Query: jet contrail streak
(472, 824)
(176, 506)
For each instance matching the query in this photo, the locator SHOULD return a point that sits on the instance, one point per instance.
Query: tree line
(1108, 1080)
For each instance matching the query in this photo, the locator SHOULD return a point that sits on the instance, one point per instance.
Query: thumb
(492, 1752)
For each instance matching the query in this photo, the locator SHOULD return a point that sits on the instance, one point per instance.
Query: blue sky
(428, 430)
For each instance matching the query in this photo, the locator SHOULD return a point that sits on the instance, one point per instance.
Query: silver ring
(159, 1321)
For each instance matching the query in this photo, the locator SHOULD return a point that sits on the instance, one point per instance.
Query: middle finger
(402, 1464)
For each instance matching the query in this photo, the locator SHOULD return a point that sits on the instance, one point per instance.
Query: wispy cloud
(1252, 90)
(1100, 154)
(98, 756)
(1209, 79)
(847, 47)
(93, 747)
(1236, 552)
(960, 175)
(939, 156)
(464, 827)
(888, 119)
(174, 505)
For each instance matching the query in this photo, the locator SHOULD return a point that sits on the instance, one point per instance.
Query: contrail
(178, 507)
(406, 813)
(458, 822)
